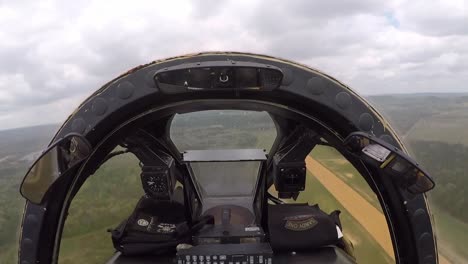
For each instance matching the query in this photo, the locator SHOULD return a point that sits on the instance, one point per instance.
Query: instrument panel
(250, 253)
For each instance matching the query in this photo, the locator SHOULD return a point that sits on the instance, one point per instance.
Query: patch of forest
(448, 165)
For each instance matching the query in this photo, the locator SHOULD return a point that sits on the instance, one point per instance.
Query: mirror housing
(218, 76)
(378, 153)
(61, 156)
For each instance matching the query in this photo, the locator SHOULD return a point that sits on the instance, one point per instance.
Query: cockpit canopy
(205, 139)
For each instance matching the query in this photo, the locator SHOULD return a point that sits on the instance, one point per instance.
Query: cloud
(438, 18)
(53, 52)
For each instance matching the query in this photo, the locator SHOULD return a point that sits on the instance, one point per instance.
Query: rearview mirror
(53, 163)
(389, 159)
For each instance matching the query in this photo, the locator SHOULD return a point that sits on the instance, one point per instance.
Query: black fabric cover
(296, 227)
(154, 228)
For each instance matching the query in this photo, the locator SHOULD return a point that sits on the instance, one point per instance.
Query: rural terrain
(433, 126)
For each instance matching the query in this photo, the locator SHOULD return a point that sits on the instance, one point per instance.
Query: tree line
(448, 165)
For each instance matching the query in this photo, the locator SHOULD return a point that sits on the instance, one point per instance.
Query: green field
(335, 162)
(11, 211)
(106, 199)
(451, 236)
(447, 127)
(442, 117)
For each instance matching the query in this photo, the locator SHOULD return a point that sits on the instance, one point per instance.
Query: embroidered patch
(142, 222)
(166, 228)
(300, 222)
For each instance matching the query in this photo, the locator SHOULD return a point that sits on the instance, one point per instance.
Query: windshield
(225, 174)
(223, 129)
(215, 145)
(213, 177)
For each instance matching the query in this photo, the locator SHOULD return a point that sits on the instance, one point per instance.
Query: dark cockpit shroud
(301, 101)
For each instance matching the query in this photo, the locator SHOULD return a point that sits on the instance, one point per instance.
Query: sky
(53, 54)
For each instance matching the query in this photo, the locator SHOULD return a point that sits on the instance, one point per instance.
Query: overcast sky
(53, 54)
